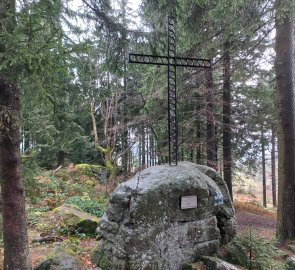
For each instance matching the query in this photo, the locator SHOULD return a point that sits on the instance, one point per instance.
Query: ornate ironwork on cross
(171, 61)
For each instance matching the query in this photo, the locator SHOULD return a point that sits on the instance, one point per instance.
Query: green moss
(99, 258)
(96, 255)
(73, 221)
(103, 262)
(112, 169)
(88, 205)
(89, 169)
(89, 183)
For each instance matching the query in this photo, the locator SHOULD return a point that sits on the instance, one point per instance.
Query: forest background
(79, 92)
(82, 103)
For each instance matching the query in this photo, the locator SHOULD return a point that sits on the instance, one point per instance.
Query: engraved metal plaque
(188, 202)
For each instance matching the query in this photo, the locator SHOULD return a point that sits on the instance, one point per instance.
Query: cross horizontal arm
(163, 61)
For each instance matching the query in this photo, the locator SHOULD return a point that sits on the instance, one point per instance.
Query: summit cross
(171, 61)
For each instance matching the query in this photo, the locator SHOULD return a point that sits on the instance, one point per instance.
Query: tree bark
(148, 149)
(273, 167)
(143, 146)
(227, 132)
(16, 252)
(286, 120)
(198, 150)
(124, 135)
(107, 151)
(60, 158)
(211, 140)
(263, 168)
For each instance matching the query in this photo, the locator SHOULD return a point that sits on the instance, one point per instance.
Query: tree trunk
(263, 168)
(107, 151)
(124, 135)
(152, 163)
(60, 158)
(26, 141)
(16, 253)
(140, 148)
(143, 146)
(198, 150)
(286, 120)
(227, 133)
(148, 149)
(211, 155)
(216, 148)
(273, 167)
(192, 155)
(182, 144)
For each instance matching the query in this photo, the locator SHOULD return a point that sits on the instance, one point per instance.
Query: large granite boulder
(290, 263)
(60, 259)
(72, 219)
(164, 217)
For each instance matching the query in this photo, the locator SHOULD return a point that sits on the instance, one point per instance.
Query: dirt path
(264, 226)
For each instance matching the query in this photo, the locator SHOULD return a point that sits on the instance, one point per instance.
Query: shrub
(253, 252)
(30, 170)
(87, 204)
(89, 169)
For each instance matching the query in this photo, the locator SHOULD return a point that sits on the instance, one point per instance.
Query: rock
(214, 263)
(73, 219)
(90, 183)
(195, 266)
(60, 259)
(291, 247)
(290, 263)
(145, 226)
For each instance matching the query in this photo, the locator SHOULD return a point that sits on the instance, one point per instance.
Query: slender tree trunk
(273, 167)
(216, 147)
(60, 158)
(263, 168)
(152, 150)
(192, 155)
(147, 147)
(211, 155)
(143, 147)
(198, 150)
(182, 145)
(286, 120)
(26, 140)
(16, 253)
(227, 133)
(107, 151)
(130, 157)
(140, 148)
(124, 136)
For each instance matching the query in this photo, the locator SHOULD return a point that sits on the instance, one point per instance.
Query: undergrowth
(88, 204)
(254, 252)
(66, 187)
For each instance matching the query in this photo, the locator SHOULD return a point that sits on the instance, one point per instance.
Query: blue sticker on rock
(218, 198)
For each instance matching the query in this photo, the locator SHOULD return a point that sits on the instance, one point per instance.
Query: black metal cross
(172, 62)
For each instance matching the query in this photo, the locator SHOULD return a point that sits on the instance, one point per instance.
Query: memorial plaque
(188, 202)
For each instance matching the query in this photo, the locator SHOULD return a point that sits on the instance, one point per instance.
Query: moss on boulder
(60, 259)
(72, 219)
(89, 169)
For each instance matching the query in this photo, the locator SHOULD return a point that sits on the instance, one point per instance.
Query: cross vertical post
(171, 61)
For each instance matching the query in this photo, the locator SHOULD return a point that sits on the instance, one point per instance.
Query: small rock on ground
(214, 263)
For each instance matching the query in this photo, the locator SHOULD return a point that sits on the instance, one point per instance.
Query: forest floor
(262, 225)
(249, 212)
